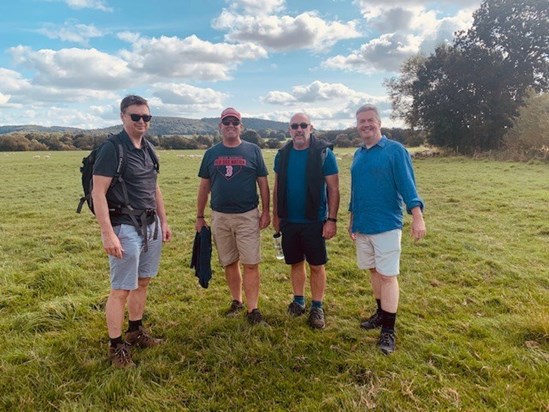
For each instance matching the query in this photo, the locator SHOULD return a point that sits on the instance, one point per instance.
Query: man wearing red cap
(232, 170)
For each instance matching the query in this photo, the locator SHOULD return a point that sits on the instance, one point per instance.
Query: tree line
(272, 139)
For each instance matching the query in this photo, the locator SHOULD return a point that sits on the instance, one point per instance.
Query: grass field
(472, 332)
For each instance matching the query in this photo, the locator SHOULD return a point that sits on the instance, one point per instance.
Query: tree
(465, 95)
(529, 135)
(253, 137)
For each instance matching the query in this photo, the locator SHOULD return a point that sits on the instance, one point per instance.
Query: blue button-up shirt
(382, 178)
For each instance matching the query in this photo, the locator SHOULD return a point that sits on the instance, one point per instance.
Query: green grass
(473, 326)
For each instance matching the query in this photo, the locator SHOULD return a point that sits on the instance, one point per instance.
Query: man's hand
(329, 229)
(264, 220)
(112, 245)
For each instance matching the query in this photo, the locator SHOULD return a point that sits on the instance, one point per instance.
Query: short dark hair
(131, 100)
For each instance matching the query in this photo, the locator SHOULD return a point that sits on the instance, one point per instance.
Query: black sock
(134, 325)
(388, 322)
(378, 301)
(115, 341)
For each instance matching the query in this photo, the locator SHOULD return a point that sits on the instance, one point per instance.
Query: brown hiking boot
(235, 308)
(141, 339)
(120, 356)
(316, 318)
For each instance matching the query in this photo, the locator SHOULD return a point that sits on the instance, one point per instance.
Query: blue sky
(69, 62)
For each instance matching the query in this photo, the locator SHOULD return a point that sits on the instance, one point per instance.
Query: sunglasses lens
(296, 126)
(228, 122)
(136, 117)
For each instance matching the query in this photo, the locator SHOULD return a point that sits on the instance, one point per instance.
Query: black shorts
(303, 241)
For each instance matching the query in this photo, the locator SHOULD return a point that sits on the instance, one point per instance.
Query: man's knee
(387, 279)
(316, 270)
(143, 282)
(119, 294)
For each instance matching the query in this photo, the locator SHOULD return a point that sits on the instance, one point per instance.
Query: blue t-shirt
(295, 184)
(382, 178)
(233, 173)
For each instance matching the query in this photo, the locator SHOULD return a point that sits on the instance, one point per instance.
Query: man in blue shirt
(382, 178)
(305, 205)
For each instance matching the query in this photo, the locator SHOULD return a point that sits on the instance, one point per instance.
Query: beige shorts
(237, 237)
(380, 252)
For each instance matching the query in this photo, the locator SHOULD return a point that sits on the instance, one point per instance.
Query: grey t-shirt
(233, 173)
(139, 175)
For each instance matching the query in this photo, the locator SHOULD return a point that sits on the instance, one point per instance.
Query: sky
(70, 62)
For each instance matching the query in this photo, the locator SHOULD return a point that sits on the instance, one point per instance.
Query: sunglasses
(136, 117)
(295, 126)
(229, 122)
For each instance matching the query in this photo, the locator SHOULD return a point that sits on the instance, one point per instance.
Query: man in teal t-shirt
(305, 205)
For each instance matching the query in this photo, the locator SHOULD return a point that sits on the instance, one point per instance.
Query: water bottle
(278, 245)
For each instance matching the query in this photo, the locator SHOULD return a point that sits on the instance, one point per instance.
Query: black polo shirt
(139, 174)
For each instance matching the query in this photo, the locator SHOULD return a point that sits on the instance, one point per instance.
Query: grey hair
(367, 108)
(132, 100)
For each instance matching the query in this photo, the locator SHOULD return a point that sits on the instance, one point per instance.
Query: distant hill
(160, 126)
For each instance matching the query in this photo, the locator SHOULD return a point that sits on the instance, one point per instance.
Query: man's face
(300, 135)
(368, 126)
(136, 128)
(230, 127)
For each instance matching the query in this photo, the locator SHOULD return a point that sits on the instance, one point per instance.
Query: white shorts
(380, 252)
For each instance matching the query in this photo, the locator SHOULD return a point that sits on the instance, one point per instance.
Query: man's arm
(161, 212)
(204, 188)
(265, 218)
(330, 228)
(111, 243)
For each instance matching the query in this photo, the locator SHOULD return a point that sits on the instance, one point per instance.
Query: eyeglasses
(295, 126)
(136, 117)
(229, 122)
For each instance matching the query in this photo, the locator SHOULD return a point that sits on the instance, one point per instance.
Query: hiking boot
(141, 339)
(387, 342)
(254, 317)
(120, 356)
(373, 322)
(234, 309)
(316, 318)
(295, 309)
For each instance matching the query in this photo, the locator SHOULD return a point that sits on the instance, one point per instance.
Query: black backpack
(117, 195)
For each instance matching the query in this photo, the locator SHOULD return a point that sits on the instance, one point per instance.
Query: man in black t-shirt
(133, 245)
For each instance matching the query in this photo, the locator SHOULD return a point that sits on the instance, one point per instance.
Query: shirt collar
(381, 143)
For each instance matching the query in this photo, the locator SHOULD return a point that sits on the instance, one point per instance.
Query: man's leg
(389, 293)
(318, 282)
(137, 299)
(114, 312)
(234, 280)
(298, 276)
(251, 286)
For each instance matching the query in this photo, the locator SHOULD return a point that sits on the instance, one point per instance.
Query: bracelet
(200, 217)
(332, 219)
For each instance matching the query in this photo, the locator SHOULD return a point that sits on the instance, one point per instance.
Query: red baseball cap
(230, 112)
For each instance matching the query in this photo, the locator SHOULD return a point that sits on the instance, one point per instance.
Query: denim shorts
(135, 263)
(380, 252)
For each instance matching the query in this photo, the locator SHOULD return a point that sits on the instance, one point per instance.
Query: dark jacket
(202, 255)
(314, 180)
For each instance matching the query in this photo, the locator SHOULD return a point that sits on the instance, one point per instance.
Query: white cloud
(257, 8)
(192, 58)
(75, 68)
(71, 31)
(88, 4)
(182, 94)
(306, 30)
(405, 30)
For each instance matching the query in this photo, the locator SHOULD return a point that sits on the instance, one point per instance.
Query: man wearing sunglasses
(305, 206)
(382, 180)
(232, 170)
(130, 233)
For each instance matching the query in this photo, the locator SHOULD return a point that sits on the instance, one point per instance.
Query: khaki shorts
(380, 252)
(237, 237)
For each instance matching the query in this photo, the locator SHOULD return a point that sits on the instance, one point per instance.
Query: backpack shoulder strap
(153, 155)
